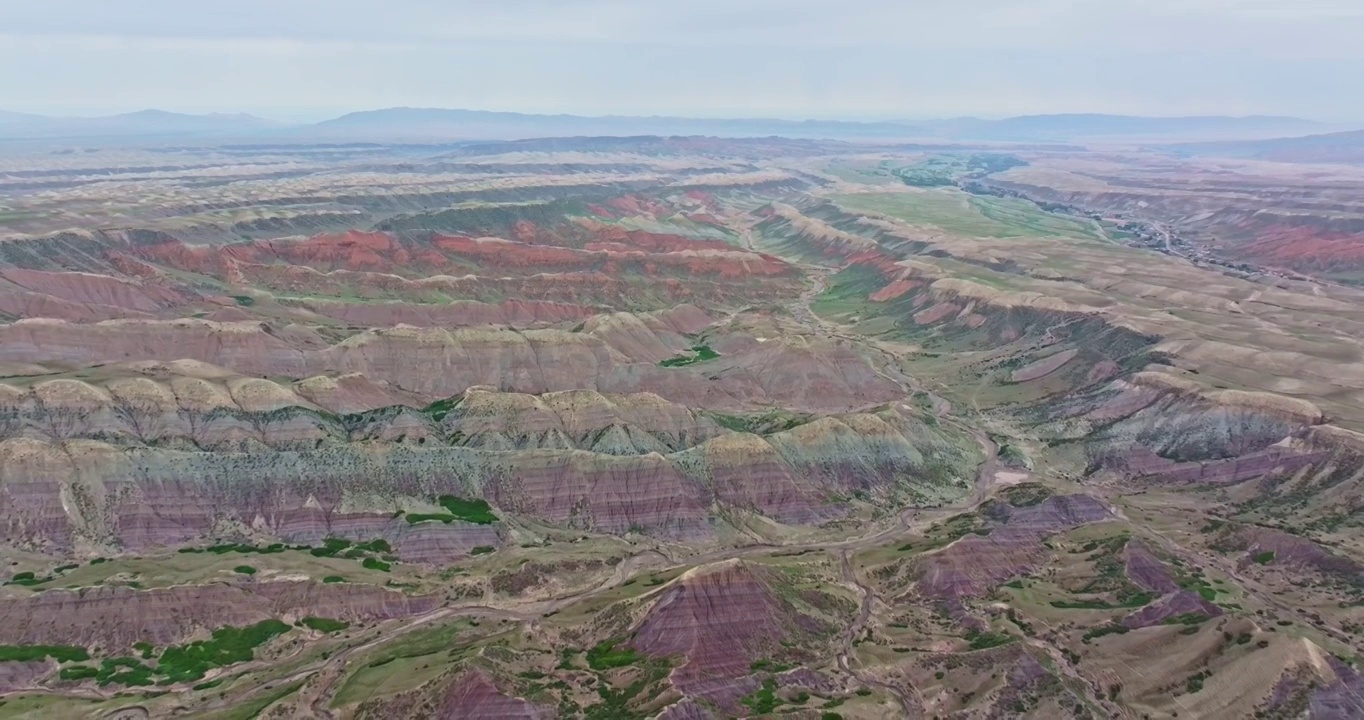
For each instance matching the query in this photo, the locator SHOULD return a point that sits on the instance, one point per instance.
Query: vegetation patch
(1111, 629)
(772, 421)
(124, 671)
(1264, 558)
(1128, 600)
(27, 579)
(229, 645)
(326, 625)
(1192, 618)
(1197, 583)
(239, 548)
(1026, 494)
(244, 570)
(763, 700)
(699, 353)
(370, 563)
(948, 170)
(440, 408)
(615, 704)
(476, 511)
(984, 640)
(1194, 683)
(605, 655)
(33, 653)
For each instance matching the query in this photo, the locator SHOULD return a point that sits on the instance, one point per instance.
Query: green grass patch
(370, 563)
(984, 640)
(236, 548)
(1264, 558)
(1110, 629)
(326, 625)
(440, 408)
(244, 300)
(33, 653)
(331, 579)
(763, 700)
(78, 672)
(699, 353)
(605, 655)
(229, 645)
(482, 550)
(475, 510)
(124, 671)
(377, 545)
(244, 570)
(27, 579)
(331, 547)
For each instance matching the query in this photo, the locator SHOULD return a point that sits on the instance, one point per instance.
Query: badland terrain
(680, 427)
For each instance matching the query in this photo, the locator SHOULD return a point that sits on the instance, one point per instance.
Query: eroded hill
(675, 428)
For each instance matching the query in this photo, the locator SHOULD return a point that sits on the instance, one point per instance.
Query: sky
(299, 60)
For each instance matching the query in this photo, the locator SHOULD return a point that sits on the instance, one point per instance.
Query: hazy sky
(304, 59)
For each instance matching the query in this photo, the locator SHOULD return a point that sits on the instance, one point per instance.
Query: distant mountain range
(143, 123)
(1341, 147)
(443, 125)
(475, 124)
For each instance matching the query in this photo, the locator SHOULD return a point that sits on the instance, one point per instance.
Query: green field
(969, 215)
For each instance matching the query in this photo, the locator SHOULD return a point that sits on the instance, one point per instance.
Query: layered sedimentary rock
(1179, 604)
(115, 617)
(1146, 570)
(721, 618)
(746, 472)
(976, 564)
(617, 353)
(633, 424)
(650, 465)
